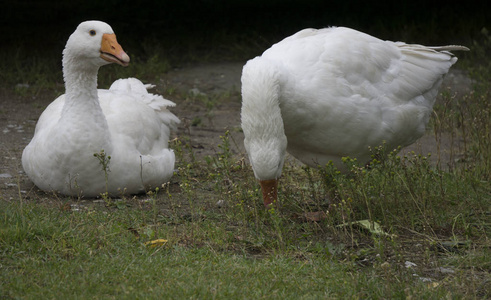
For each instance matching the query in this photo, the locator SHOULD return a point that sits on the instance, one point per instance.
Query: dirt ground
(20, 111)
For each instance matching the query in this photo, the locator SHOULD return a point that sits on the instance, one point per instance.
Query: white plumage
(131, 125)
(329, 93)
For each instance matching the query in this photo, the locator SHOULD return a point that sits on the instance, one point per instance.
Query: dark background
(46, 25)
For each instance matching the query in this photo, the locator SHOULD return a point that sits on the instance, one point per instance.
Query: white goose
(129, 124)
(329, 93)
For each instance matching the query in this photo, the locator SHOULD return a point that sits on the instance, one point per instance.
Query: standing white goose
(129, 124)
(329, 93)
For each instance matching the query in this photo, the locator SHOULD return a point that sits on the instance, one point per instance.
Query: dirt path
(203, 122)
(221, 83)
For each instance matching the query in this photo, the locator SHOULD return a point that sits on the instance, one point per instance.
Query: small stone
(446, 270)
(196, 92)
(424, 279)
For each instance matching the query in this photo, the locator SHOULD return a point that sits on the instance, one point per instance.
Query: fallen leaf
(156, 243)
(373, 227)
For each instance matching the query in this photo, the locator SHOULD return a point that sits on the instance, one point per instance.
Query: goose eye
(92, 32)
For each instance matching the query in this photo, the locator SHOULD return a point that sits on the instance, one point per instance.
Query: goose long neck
(81, 100)
(82, 109)
(80, 83)
(261, 118)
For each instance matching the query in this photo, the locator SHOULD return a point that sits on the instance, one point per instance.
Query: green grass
(52, 253)
(84, 249)
(433, 217)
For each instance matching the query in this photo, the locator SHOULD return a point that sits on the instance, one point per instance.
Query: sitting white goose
(129, 124)
(325, 94)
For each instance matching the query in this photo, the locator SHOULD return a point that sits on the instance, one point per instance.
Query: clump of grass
(147, 69)
(28, 73)
(405, 193)
(476, 61)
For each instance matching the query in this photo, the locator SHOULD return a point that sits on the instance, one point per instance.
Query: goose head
(267, 159)
(94, 44)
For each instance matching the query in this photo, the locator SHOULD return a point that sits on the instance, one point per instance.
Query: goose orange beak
(112, 52)
(270, 191)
